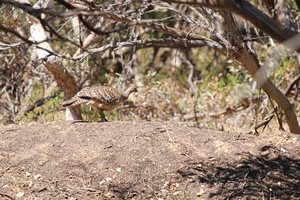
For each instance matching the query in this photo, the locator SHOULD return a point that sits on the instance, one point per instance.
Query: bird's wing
(100, 94)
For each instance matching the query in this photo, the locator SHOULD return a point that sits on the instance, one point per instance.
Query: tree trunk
(68, 85)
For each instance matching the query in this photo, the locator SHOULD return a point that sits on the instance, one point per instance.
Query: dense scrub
(201, 86)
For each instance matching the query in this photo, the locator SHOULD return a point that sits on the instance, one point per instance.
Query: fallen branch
(243, 104)
(39, 103)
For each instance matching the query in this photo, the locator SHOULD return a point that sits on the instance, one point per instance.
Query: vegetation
(191, 62)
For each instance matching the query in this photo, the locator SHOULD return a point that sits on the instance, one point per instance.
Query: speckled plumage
(104, 98)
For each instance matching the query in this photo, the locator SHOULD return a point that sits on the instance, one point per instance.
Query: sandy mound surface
(145, 160)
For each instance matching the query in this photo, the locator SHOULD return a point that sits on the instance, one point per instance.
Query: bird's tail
(70, 102)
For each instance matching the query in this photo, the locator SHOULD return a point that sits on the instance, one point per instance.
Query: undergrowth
(165, 94)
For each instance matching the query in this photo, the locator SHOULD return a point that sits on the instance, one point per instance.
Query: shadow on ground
(269, 176)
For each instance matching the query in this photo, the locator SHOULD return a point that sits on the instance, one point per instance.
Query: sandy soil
(145, 160)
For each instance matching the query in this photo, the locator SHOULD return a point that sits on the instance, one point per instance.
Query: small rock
(108, 179)
(20, 194)
(199, 165)
(37, 176)
(163, 192)
(109, 195)
(283, 150)
(200, 193)
(166, 184)
(101, 182)
(264, 153)
(32, 123)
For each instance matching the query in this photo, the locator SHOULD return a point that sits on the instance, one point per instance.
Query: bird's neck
(126, 94)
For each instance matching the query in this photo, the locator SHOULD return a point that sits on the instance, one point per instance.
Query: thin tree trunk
(68, 85)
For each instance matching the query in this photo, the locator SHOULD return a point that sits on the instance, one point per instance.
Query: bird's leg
(103, 119)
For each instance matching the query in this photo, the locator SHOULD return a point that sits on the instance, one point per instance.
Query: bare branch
(9, 30)
(145, 23)
(99, 31)
(25, 7)
(7, 46)
(152, 42)
(251, 13)
(166, 42)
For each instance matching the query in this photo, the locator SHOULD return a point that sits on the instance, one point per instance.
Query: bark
(68, 85)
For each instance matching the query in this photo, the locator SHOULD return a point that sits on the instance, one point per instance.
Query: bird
(104, 98)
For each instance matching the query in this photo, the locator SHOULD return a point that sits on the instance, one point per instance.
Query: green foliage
(48, 111)
(286, 68)
(89, 113)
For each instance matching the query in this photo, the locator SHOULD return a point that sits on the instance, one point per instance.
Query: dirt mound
(145, 160)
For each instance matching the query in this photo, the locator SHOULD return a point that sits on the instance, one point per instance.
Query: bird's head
(132, 89)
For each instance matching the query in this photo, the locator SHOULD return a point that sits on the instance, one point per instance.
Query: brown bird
(104, 98)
